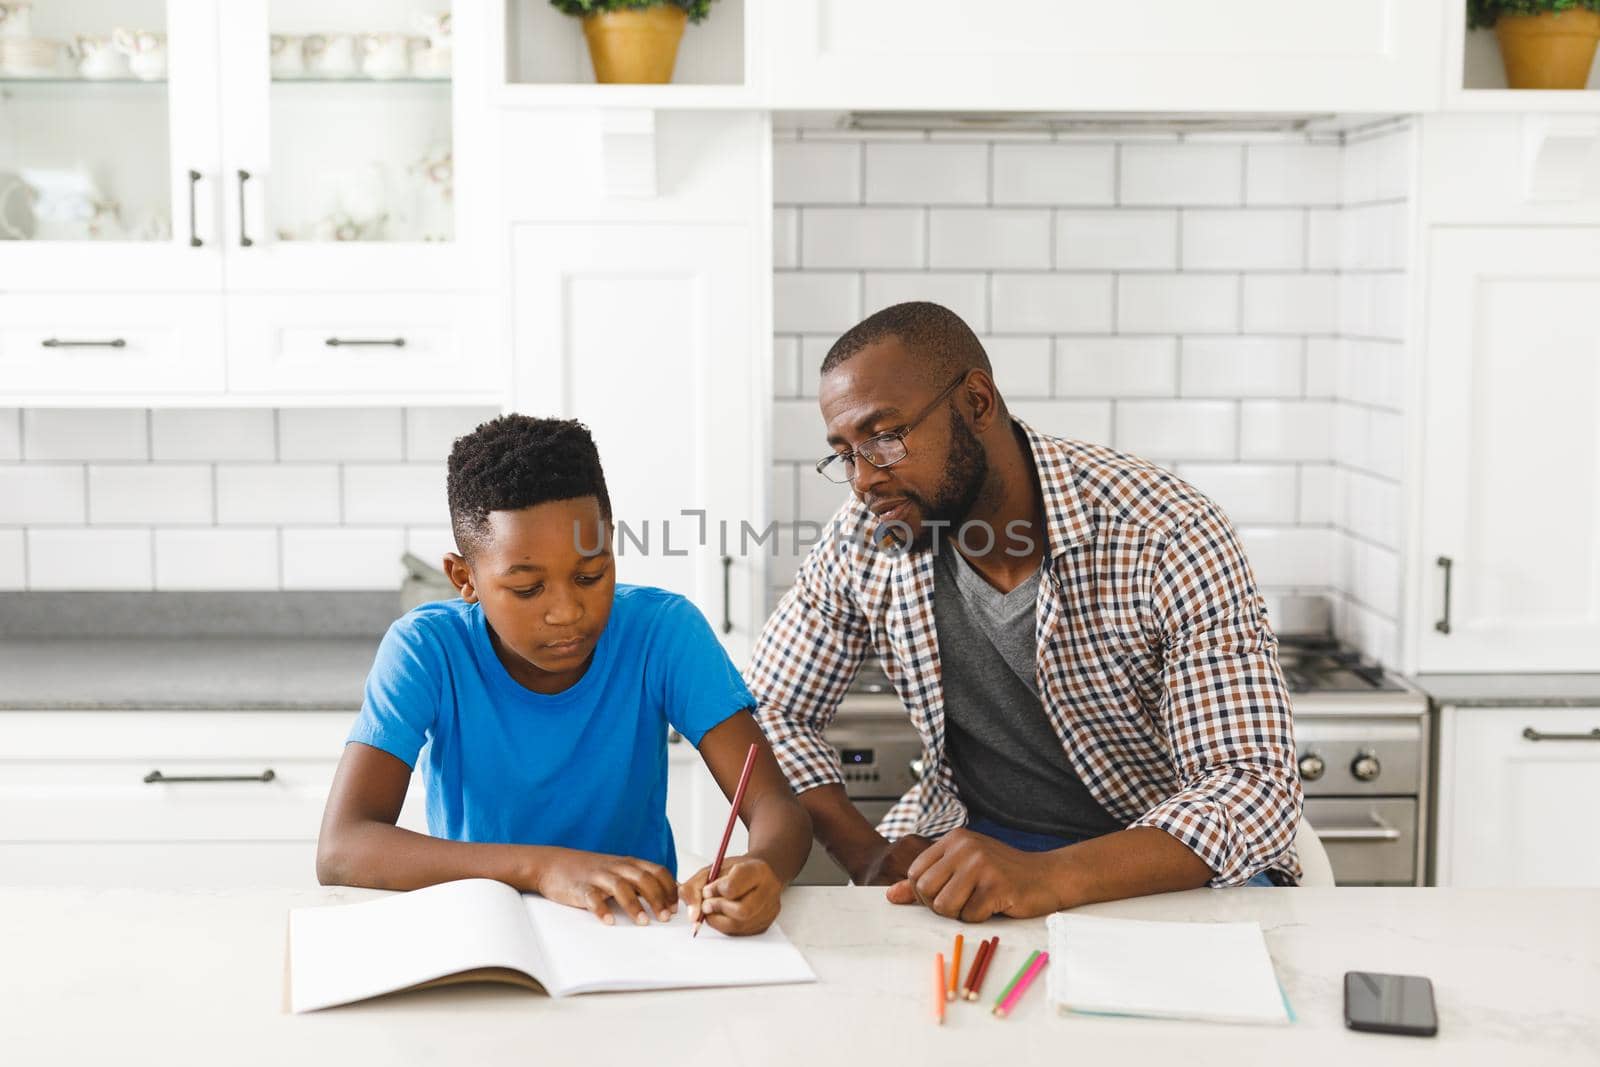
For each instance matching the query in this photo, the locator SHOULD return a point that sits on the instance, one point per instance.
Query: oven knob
(1365, 767)
(1311, 767)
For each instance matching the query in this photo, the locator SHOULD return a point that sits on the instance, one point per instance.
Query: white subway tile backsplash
(816, 172)
(133, 494)
(411, 494)
(13, 560)
(1177, 429)
(41, 493)
(918, 172)
(798, 434)
(340, 433)
(1373, 237)
(1289, 556)
(338, 558)
(432, 432)
(989, 238)
(1051, 303)
(10, 433)
(1116, 366)
(1243, 240)
(1292, 174)
(849, 237)
(785, 238)
(1054, 174)
(1321, 489)
(431, 543)
(251, 494)
(213, 435)
(1386, 443)
(216, 559)
(1177, 303)
(1081, 420)
(819, 499)
(1325, 238)
(1324, 360)
(1181, 173)
(815, 302)
(1375, 635)
(786, 366)
(1291, 303)
(1372, 508)
(1373, 373)
(1122, 239)
(1393, 165)
(84, 434)
(1248, 493)
(1286, 430)
(967, 294)
(1375, 580)
(1242, 366)
(1021, 365)
(784, 505)
(1373, 305)
(83, 558)
(814, 349)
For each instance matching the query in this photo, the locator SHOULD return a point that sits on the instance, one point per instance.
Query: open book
(1219, 972)
(482, 930)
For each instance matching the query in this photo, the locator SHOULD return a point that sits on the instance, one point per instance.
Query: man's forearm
(1129, 863)
(847, 835)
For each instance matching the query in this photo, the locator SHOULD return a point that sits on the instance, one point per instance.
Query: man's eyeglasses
(881, 450)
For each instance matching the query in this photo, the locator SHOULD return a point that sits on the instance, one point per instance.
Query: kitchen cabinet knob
(1366, 767)
(1312, 767)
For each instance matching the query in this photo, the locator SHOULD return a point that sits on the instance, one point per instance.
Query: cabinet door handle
(1534, 735)
(244, 237)
(156, 776)
(194, 231)
(1446, 564)
(56, 342)
(727, 594)
(353, 342)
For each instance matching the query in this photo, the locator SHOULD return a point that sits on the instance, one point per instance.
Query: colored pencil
(955, 970)
(938, 988)
(727, 832)
(980, 967)
(1022, 987)
(965, 992)
(1006, 992)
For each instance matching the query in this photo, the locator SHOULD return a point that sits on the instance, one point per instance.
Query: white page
(1215, 971)
(587, 956)
(348, 952)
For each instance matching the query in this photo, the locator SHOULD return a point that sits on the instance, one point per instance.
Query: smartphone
(1389, 1004)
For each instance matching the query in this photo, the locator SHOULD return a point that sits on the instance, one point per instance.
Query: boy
(540, 700)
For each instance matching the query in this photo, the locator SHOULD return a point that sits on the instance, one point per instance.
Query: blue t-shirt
(585, 768)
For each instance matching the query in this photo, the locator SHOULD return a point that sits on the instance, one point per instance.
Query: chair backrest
(1315, 869)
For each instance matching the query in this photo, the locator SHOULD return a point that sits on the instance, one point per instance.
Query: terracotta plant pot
(1549, 51)
(635, 47)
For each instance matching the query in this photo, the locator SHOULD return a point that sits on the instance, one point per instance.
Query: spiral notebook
(1217, 972)
(481, 930)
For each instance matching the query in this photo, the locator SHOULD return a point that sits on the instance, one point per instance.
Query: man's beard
(966, 468)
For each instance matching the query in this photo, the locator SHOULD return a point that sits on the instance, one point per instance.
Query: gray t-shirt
(1008, 762)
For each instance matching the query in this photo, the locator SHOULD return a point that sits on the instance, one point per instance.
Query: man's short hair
(943, 344)
(515, 462)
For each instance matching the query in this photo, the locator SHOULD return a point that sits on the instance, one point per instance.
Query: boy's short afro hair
(518, 461)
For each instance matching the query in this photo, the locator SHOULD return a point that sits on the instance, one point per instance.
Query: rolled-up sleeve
(804, 660)
(1227, 711)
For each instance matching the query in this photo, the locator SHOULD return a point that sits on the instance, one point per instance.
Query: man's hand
(891, 864)
(971, 877)
(743, 899)
(592, 880)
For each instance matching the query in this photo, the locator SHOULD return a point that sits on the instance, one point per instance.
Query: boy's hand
(592, 880)
(743, 899)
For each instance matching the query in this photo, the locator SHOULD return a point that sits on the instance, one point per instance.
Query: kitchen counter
(1511, 690)
(146, 977)
(204, 674)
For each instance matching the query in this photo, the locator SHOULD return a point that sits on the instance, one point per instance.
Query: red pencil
(979, 961)
(938, 988)
(727, 832)
(977, 981)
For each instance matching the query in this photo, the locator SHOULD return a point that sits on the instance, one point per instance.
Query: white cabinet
(1240, 55)
(169, 799)
(1518, 791)
(118, 343)
(649, 333)
(1509, 544)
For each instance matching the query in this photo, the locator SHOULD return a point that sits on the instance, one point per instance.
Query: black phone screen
(1389, 1003)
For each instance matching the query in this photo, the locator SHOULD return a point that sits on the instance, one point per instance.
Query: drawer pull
(1377, 833)
(156, 776)
(194, 232)
(244, 235)
(56, 342)
(346, 342)
(1534, 735)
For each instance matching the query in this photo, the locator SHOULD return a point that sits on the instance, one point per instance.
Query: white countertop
(149, 977)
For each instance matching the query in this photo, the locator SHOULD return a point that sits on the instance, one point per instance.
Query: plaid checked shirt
(1157, 667)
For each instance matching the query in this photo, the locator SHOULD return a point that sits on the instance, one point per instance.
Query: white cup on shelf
(98, 57)
(288, 55)
(146, 52)
(332, 55)
(385, 55)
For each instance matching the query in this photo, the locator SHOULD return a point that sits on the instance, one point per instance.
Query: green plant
(696, 9)
(1487, 12)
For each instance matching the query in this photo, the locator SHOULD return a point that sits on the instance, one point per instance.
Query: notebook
(1218, 972)
(481, 930)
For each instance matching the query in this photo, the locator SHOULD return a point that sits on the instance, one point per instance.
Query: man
(1074, 632)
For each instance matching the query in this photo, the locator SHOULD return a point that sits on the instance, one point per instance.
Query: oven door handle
(1378, 832)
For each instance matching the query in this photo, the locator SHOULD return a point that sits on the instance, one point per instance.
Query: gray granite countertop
(186, 674)
(1512, 690)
